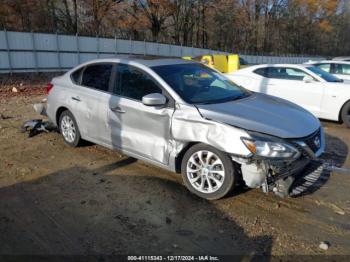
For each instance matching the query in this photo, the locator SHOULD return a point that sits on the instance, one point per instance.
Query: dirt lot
(90, 200)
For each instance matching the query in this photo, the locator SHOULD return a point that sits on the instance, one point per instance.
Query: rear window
(97, 76)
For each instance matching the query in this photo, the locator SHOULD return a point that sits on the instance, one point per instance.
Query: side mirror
(308, 79)
(154, 99)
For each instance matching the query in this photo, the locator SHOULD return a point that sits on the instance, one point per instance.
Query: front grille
(309, 144)
(302, 150)
(310, 141)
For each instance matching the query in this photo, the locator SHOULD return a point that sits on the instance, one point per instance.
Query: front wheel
(345, 114)
(207, 172)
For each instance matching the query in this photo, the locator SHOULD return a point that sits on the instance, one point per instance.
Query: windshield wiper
(224, 100)
(241, 96)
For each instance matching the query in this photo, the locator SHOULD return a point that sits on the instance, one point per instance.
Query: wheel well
(59, 112)
(180, 156)
(341, 109)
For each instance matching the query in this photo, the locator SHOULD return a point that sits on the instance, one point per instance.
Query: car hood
(265, 114)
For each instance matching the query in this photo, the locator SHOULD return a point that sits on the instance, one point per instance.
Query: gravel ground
(89, 200)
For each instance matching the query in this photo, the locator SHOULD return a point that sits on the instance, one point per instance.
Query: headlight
(270, 148)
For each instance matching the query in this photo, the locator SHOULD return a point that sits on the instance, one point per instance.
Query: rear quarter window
(76, 76)
(261, 72)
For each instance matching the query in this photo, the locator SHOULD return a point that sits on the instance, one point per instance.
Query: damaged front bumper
(277, 175)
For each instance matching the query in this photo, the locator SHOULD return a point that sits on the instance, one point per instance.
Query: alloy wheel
(68, 129)
(205, 171)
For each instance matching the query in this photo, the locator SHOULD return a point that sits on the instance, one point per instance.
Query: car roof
(329, 62)
(341, 58)
(278, 65)
(149, 61)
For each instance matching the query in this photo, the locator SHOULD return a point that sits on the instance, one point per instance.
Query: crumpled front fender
(189, 126)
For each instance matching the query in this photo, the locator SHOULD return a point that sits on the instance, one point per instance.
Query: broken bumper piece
(40, 108)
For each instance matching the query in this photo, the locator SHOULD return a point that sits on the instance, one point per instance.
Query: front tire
(208, 172)
(345, 114)
(69, 129)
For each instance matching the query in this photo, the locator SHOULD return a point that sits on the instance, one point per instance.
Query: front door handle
(76, 98)
(117, 109)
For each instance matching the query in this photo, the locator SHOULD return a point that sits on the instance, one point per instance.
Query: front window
(284, 73)
(133, 83)
(324, 75)
(198, 84)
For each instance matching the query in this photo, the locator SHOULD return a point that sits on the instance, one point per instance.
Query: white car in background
(342, 58)
(340, 69)
(319, 92)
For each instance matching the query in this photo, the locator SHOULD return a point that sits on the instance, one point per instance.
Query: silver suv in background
(187, 118)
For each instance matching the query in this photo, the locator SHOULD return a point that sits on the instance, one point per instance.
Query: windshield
(198, 84)
(324, 75)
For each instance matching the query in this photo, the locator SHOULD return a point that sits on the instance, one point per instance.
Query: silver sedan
(188, 118)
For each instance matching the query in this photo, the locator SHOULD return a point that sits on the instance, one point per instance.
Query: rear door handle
(117, 109)
(76, 98)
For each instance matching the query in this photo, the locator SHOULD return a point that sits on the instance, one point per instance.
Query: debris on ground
(324, 245)
(14, 90)
(102, 180)
(338, 210)
(22, 91)
(3, 117)
(37, 126)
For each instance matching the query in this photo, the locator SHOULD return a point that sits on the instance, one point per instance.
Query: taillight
(48, 88)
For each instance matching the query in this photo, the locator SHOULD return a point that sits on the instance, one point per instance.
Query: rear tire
(69, 129)
(345, 114)
(208, 172)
